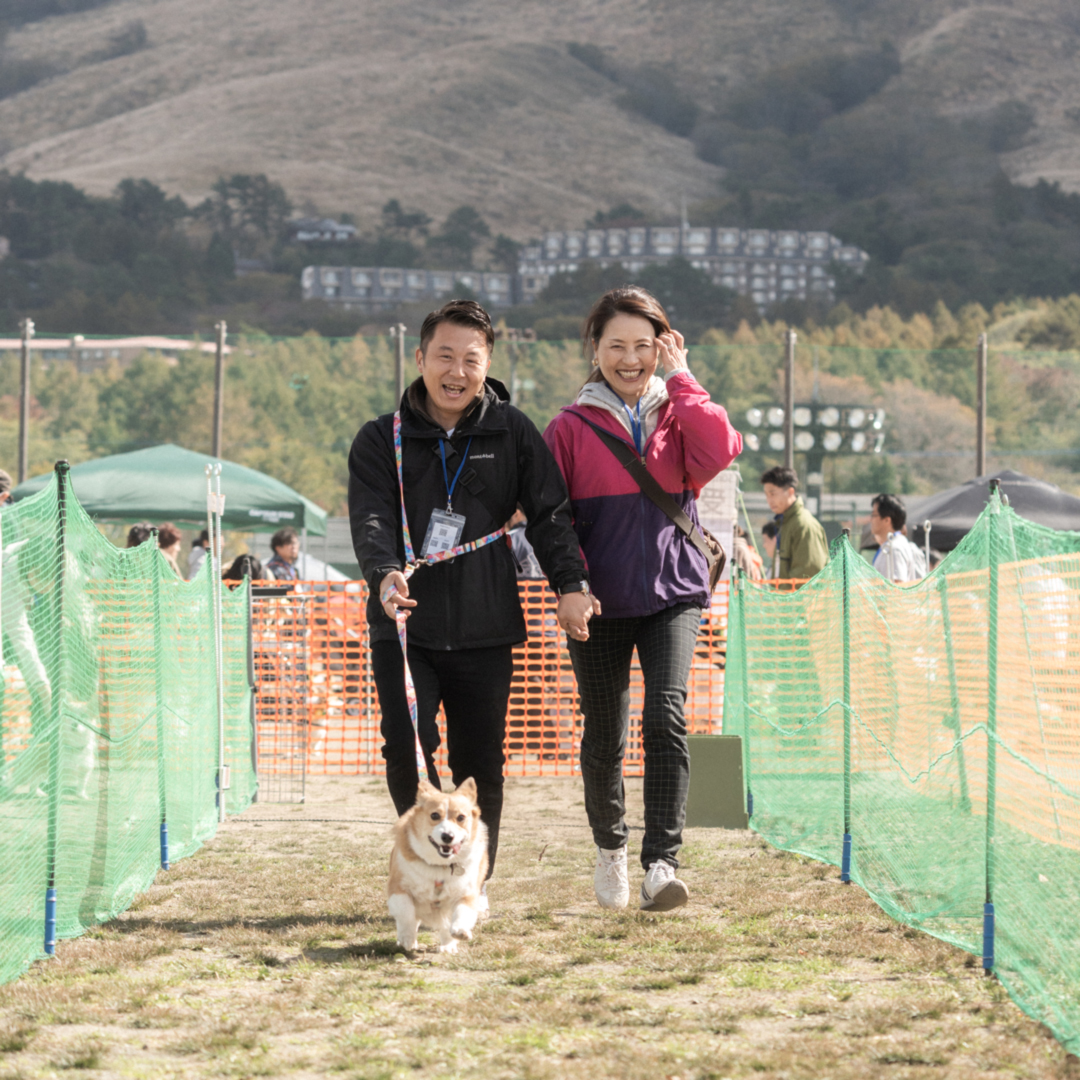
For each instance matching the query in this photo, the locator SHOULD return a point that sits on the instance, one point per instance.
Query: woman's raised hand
(672, 352)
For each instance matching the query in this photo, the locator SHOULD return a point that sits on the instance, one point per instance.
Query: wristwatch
(578, 586)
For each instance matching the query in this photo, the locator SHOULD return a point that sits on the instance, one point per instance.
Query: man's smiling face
(453, 368)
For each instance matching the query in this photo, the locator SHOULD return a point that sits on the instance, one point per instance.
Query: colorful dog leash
(412, 564)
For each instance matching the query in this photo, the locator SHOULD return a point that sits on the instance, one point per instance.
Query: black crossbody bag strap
(650, 486)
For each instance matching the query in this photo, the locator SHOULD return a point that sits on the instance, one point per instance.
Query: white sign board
(717, 508)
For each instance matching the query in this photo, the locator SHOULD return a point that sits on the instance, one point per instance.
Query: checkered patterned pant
(665, 645)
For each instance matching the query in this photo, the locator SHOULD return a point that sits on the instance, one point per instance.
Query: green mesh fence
(925, 739)
(109, 720)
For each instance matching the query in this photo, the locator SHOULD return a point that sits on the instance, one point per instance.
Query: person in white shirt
(897, 557)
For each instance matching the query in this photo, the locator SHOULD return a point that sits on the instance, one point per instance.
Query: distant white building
(383, 288)
(764, 265)
(309, 229)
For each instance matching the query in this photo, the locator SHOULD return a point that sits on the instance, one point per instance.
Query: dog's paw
(461, 933)
(449, 946)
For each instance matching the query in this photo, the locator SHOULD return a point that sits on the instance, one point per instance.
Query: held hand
(672, 352)
(394, 594)
(574, 612)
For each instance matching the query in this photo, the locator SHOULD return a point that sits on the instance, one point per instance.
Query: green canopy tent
(168, 483)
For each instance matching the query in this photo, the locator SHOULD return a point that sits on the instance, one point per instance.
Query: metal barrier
(317, 710)
(281, 642)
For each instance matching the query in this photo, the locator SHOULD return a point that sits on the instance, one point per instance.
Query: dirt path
(269, 953)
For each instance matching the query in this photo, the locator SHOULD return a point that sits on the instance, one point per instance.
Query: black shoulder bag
(702, 539)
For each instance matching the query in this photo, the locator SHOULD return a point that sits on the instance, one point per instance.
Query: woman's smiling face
(627, 354)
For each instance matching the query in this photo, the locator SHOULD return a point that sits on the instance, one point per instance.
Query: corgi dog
(438, 867)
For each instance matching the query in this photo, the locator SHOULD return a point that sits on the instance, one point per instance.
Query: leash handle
(410, 689)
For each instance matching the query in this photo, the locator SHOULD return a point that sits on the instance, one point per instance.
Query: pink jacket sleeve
(710, 443)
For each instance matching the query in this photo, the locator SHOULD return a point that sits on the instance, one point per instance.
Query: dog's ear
(467, 788)
(425, 790)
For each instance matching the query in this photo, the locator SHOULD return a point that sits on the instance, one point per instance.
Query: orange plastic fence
(315, 694)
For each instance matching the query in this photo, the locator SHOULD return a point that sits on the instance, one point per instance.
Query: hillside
(478, 102)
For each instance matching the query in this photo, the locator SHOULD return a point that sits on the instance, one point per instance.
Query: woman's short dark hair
(283, 537)
(891, 507)
(138, 534)
(770, 529)
(243, 566)
(626, 300)
(167, 535)
(202, 540)
(460, 313)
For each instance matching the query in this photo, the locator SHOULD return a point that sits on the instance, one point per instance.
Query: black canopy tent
(952, 513)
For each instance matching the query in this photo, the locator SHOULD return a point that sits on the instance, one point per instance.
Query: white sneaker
(662, 890)
(610, 880)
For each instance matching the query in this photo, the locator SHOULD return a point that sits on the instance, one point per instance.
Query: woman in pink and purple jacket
(648, 581)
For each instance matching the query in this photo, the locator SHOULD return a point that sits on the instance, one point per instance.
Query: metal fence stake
(845, 856)
(56, 741)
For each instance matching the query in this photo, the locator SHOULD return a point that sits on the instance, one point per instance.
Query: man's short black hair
(283, 537)
(460, 313)
(770, 528)
(891, 507)
(780, 476)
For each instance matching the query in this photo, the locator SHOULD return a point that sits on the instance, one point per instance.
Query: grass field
(270, 953)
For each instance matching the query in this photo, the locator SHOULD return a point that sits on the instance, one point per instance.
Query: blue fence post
(988, 938)
(56, 710)
(845, 856)
(991, 723)
(50, 921)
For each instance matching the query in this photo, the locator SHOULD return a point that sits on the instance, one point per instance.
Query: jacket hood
(601, 396)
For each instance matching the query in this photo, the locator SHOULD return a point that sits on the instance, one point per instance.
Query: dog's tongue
(455, 849)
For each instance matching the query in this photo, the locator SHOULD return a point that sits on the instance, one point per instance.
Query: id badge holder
(443, 532)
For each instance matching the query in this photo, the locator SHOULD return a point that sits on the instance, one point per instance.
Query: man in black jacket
(468, 459)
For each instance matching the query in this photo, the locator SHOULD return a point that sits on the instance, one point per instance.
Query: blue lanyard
(635, 425)
(451, 484)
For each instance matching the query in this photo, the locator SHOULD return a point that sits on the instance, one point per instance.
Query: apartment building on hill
(765, 265)
(383, 288)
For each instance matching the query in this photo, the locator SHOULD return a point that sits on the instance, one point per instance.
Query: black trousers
(474, 688)
(665, 645)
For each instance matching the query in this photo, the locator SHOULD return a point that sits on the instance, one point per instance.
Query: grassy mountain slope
(478, 101)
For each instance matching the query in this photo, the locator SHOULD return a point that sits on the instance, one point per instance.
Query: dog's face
(445, 823)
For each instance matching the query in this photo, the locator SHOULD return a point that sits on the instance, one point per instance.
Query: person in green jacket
(802, 549)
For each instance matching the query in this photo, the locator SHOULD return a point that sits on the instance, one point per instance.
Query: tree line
(293, 406)
(143, 261)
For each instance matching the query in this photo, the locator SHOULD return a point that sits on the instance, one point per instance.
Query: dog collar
(454, 869)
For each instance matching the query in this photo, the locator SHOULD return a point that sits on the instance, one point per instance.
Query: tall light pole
(397, 336)
(26, 328)
(980, 406)
(789, 400)
(219, 386)
(511, 348)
